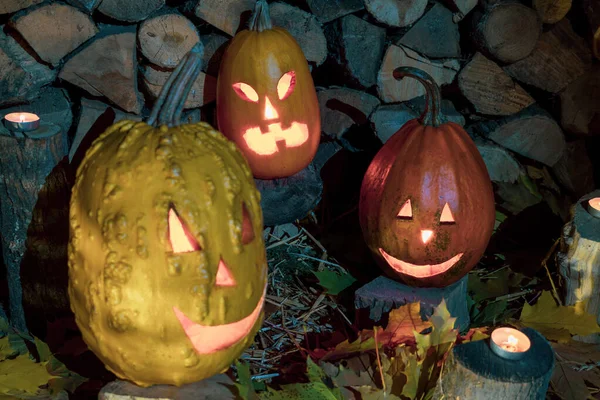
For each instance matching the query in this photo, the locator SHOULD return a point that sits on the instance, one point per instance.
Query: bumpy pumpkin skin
(125, 280)
(431, 166)
(260, 59)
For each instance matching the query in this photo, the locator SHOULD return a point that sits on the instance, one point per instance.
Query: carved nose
(270, 111)
(426, 235)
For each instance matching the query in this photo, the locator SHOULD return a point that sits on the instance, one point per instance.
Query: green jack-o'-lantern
(426, 204)
(167, 265)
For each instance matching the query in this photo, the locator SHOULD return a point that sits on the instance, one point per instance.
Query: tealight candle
(509, 343)
(594, 207)
(21, 122)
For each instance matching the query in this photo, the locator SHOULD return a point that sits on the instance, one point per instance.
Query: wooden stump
(24, 167)
(396, 13)
(55, 30)
(491, 90)
(435, 35)
(164, 40)
(532, 133)
(560, 57)
(506, 31)
(342, 108)
(383, 294)
(592, 12)
(203, 90)
(130, 10)
(285, 200)
(473, 372)
(328, 10)
(579, 105)
(229, 16)
(107, 67)
(579, 258)
(391, 90)
(218, 387)
(357, 47)
(304, 27)
(11, 6)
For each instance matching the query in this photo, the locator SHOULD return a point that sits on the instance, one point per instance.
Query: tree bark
(472, 371)
(11, 6)
(396, 13)
(230, 16)
(328, 10)
(24, 167)
(579, 105)
(130, 10)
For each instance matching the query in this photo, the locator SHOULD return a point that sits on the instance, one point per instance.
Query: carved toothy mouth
(210, 339)
(266, 143)
(419, 271)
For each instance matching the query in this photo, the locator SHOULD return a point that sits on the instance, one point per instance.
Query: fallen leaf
(442, 331)
(569, 384)
(332, 282)
(475, 334)
(244, 381)
(23, 375)
(552, 320)
(299, 391)
(316, 374)
(404, 321)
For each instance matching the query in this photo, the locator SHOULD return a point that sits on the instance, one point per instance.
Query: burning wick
(21, 122)
(509, 343)
(594, 207)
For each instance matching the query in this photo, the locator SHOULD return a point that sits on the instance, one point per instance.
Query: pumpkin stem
(168, 107)
(433, 98)
(261, 18)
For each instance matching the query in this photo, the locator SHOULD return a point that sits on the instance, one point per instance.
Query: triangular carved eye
(406, 211)
(247, 227)
(245, 92)
(446, 217)
(224, 275)
(180, 238)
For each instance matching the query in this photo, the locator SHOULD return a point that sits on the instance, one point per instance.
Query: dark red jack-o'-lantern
(427, 204)
(266, 99)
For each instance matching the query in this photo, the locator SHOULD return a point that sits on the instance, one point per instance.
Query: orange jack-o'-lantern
(266, 99)
(427, 205)
(167, 265)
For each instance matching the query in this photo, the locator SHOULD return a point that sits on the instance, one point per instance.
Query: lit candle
(509, 343)
(594, 207)
(21, 121)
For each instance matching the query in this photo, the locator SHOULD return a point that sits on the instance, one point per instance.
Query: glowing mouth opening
(419, 271)
(210, 339)
(266, 143)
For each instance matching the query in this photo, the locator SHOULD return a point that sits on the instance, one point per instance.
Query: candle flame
(513, 341)
(595, 203)
(21, 118)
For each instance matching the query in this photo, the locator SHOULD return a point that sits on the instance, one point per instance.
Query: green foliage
(332, 282)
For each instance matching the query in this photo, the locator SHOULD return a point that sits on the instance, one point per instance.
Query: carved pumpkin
(266, 99)
(167, 265)
(426, 204)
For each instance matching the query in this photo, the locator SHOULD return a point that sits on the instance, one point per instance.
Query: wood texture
(532, 133)
(579, 258)
(574, 170)
(164, 40)
(107, 67)
(227, 15)
(86, 5)
(491, 90)
(472, 371)
(552, 11)
(130, 10)
(592, 12)
(214, 48)
(55, 30)
(506, 31)
(304, 27)
(500, 162)
(24, 167)
(580, 105)
(560, 57)
(11, 6)
(328, 10)
(461, 8)
(343, 107)
(391, 90)
(21, 76)
(383, 294)
(435, 35)
(285, 200)
(203, 90)
(396, 13)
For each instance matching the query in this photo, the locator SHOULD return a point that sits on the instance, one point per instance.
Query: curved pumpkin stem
(261, 18)
(433, 98)
(169, 105)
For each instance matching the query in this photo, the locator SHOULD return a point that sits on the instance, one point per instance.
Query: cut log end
(166, 39)
(396, 13)
(130, 10)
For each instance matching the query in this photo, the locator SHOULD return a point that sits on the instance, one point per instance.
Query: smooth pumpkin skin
(430, 166)
(124, 279)
(260, 59)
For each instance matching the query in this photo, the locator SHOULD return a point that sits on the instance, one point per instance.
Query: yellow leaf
(404, 321)
(443, 331)
(552, 11)
(558, 322)
(22, 374)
